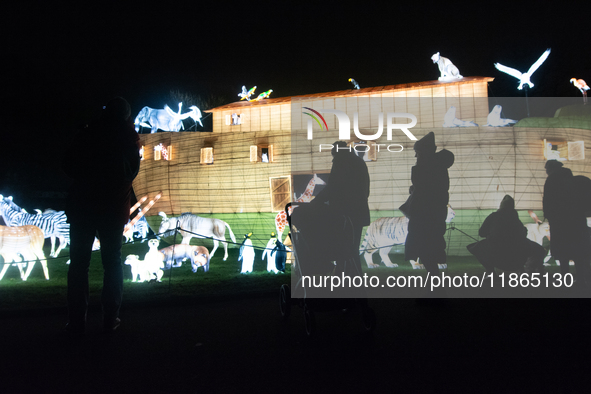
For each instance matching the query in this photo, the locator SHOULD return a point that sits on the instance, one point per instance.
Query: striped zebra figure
(53, 224)
(140, 228)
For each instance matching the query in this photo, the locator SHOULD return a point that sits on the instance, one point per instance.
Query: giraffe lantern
(281, 218)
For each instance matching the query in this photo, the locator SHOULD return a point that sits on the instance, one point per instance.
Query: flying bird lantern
(524, 78)
(354, 82)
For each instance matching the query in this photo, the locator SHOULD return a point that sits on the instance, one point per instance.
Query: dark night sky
(65, 62)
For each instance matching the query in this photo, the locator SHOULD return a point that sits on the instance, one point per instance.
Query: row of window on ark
(258, 153)
(264, 153)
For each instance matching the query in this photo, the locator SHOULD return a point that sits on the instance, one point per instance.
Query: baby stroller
(322, 245)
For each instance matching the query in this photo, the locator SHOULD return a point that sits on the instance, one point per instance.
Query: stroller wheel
(310, 321)
(285, 301)
(369, 319)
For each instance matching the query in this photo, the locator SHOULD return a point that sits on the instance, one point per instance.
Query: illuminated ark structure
(221, 174)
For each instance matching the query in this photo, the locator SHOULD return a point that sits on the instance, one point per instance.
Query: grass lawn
(223, 279)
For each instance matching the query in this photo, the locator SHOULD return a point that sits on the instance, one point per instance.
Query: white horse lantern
(190, 226)
(166, 119)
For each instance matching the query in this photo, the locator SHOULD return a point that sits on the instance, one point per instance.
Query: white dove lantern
(524, 78)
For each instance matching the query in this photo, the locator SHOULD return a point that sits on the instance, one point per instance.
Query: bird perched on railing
(524, 78)
(354, 82)
(582, 86)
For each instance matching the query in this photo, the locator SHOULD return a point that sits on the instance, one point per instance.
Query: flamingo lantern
(582, 86)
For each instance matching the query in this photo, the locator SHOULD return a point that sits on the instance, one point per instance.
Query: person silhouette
(347, 192)
(506, 245)
(102, 160)
(568, 225)
(426, 208)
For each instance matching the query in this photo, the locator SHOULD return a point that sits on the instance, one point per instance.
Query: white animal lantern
(271, 265)
(384, 233)
(174, 256)
(53, 224)
(524, 78)
(450, 120)
(494, 118)
(246, 255)
(201, 258)
(25, 241)
(138, 271)
(165, 119)
(140, 227)
(447, 69)
(196, 226)
(537, 231)
(154, 261)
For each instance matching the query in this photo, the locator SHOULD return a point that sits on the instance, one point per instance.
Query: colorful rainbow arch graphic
(315, 118)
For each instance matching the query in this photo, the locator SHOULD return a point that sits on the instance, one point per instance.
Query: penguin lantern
(246, 254)
(271, 265)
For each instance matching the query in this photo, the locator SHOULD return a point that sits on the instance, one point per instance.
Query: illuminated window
(261, 153)
(563, 150)
(280, 192)
(162, 152)
(555, 150)
(142, 153)
(206, 156)
(234, 119)
(576, 150)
